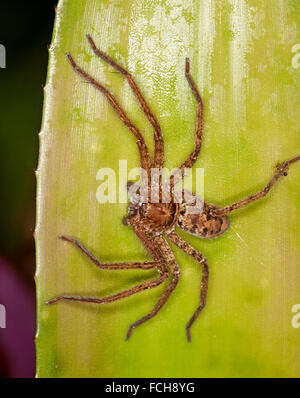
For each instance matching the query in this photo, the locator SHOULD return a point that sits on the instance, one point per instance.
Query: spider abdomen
(203, 224)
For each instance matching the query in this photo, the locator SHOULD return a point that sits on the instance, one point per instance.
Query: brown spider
(151, 221)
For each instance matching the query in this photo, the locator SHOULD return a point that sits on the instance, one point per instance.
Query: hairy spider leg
(196, 255)
(144, 153)
(158, 139)
(112, 266)
(252, 198)
(153, 251)
(190, 161)
(175, 273)
(115, 297)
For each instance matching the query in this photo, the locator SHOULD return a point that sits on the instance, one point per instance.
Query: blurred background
(25, 31)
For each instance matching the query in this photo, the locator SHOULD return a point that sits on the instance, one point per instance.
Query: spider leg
(175, 271)
(190, 161)
(159, 144)
(188, 249)
(144, 153)
(105, 300)
(153, 251)
(114, 266)
(252, 198)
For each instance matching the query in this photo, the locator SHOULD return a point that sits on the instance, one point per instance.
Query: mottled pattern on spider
(152, 222)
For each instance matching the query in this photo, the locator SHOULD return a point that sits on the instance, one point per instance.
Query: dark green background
(25, 31)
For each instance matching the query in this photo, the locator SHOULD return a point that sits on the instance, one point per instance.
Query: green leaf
(242, 61)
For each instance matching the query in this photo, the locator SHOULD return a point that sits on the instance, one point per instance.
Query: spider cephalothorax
(156, 217)
(153, 221)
